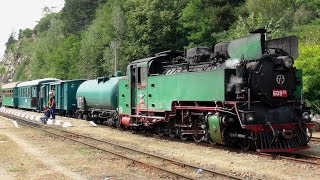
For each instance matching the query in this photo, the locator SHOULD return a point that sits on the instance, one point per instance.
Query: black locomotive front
(268, 93)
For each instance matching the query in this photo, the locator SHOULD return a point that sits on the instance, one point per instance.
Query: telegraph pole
(114, 46)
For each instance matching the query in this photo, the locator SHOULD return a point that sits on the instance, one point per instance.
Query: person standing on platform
(52, 105)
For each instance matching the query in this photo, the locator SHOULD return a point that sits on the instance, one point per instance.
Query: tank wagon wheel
(79, 116)
(86, 117)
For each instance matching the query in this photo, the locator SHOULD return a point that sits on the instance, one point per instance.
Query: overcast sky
(22, 14)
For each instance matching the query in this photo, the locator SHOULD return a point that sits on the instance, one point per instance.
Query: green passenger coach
(28, 93)
(9, 94)
(65, 95)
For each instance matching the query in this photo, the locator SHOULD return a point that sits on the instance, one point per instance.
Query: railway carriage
(9, 95)
(65, 95)
(28, 94)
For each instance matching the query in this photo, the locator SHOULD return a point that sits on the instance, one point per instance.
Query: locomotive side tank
(98, 99)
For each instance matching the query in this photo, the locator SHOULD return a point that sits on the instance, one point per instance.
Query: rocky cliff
(9, 63)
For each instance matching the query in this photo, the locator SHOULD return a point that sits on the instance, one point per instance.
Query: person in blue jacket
(46, 115)
(52, 105)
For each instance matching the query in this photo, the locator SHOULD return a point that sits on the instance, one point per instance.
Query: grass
(14, 169)
(84, 150)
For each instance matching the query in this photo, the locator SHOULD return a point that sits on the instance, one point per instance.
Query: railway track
(294, 157)
(315, 140)
(175, 168)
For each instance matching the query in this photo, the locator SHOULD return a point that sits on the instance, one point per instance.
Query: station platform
(65, 122)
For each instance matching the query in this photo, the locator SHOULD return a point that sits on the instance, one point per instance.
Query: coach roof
(10, 85)
(37, 82)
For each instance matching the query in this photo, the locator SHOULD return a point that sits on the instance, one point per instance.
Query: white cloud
(22, 14)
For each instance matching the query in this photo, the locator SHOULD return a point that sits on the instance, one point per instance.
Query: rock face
(10, 63)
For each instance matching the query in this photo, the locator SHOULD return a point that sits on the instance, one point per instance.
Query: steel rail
(182, 164)
(315, 139)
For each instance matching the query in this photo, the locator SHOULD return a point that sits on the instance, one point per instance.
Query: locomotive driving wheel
(197, 127)
(161, 130)
(172, 131)
(246, 142)
(184, 137)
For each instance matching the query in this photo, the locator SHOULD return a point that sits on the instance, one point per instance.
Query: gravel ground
(30, 154)
(240, 164)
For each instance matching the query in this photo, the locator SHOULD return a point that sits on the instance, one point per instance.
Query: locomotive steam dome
(271, 82)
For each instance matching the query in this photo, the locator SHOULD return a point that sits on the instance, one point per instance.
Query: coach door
(32, 91)
(42, 97)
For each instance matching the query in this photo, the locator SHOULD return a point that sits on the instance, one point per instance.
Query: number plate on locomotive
(279, 93)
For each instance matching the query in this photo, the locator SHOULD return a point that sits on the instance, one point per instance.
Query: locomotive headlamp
(249, 117)
(287, 61)
(306, 116)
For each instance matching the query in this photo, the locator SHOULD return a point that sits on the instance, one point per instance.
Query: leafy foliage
(152, 27)
(11, 41)
(77, 14)
(309, 61)
(200, 19)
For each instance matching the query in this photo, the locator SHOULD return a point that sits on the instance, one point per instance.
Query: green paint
(124, 97)
(190, 86)
(10, 100)
(101, 93)
(65, 94)
(215, 129)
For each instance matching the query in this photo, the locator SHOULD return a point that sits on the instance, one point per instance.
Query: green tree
(292, 12)
(201, 19)
(254, 21)
(78, 14)
(95, 41)
(152, 27)
(309, 61)
(26, 33)
(11, 41)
